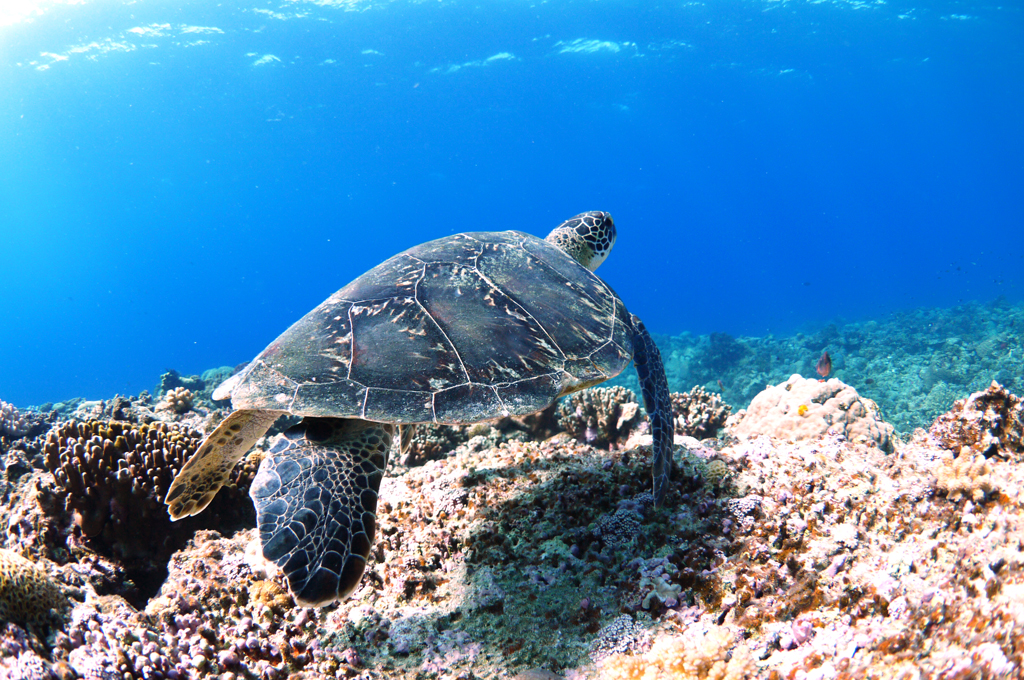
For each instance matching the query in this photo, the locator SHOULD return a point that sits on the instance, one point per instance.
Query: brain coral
(777, 412)
(989, 422)
(599, 416)
(27, 594)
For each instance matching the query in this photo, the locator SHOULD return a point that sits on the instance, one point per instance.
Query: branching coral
(966, 475)
(112, 476)
(115, 475)
(12, 422)
(177, 400)
(201, 387)
(989, 422)
(430, 442)
(699, 413)
(600, 416)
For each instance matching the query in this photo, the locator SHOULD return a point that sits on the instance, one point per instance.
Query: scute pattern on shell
(457, 330)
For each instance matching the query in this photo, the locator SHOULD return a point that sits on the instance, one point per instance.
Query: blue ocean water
(180, 181)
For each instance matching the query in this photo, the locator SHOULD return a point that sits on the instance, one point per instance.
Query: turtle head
(586, 238)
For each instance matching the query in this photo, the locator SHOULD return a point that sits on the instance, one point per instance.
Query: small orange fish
(824, 366)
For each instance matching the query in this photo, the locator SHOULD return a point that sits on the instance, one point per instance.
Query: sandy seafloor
(867, 525)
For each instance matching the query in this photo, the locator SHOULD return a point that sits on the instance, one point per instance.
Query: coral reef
(218, 612)
(112, 477)
(172, 380)
(688, 655)
(801, 409)
(199, 387)
(31, 518)
(967, 475)
(12, 423)
(869, 566)
(178, 404)
(600, 416)
(27, 593)
(115, 475)
(127, 409)
(177, 400)
(21, 656)
(990, 423)
(430, 442)
(723, 351)
(913, 364)
(784, 553)
(699, 413)
(534, 426)
(622, 636)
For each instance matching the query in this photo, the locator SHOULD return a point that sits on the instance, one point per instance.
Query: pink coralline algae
(20, 659)
(813, 553)
(990, 423)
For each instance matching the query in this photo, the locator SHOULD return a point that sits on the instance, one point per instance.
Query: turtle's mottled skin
(459, 330)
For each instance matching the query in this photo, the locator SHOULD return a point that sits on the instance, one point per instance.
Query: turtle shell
(457, 330)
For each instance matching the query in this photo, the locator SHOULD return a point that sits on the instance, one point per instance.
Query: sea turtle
(462, 329)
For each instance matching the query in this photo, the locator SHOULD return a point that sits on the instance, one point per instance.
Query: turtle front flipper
(206, 471)
(316, 498)
(658, 403)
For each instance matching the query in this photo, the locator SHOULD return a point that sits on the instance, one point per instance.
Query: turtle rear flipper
(209, 467)
(658, 403)
(316, 498)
